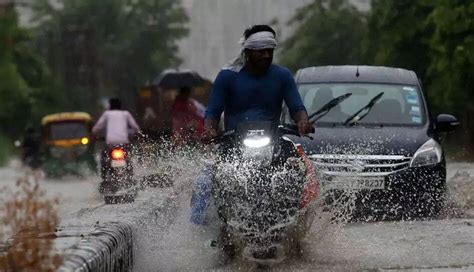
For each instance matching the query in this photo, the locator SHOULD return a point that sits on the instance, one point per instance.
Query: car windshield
(67, 130)
(399, 105)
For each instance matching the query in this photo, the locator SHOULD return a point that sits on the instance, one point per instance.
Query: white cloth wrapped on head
(257, 41)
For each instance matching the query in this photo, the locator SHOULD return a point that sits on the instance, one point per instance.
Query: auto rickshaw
(66, 142)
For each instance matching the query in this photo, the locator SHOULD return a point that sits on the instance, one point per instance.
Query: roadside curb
(108, 247)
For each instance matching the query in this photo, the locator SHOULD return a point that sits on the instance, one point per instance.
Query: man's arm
(211, 123)
(301, 120)
(301, 115)
(100, 124)
(216, 101)
(215, 106)
(295, 104)
(131, 122)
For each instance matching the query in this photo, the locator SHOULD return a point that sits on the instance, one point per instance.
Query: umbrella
(174, 79)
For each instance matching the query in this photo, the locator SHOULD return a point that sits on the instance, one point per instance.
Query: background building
(217, 25)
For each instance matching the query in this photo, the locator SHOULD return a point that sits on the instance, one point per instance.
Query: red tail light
(118, 154)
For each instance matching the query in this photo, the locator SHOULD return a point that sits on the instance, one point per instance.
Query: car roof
(348, 73)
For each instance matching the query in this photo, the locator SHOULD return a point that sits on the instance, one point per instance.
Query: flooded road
(444, 244)
(438, 244)
(168, 242)
(72, 192)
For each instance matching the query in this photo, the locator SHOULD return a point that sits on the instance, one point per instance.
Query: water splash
(173, 243)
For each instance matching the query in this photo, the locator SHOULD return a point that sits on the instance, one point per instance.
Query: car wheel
(432, 204)
(428, 204)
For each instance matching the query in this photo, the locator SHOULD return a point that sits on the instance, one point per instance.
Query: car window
(399, 104)
(67, 130)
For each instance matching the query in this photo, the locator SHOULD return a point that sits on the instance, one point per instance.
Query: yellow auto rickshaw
(66, 142)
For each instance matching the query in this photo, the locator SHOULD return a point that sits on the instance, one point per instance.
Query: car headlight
(429, 153)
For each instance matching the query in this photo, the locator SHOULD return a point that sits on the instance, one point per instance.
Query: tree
(451, 65)
(328, 32)
(25, 92)
(21, 74)
(398, 35)
(108, 47)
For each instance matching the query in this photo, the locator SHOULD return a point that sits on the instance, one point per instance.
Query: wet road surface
(169, 242)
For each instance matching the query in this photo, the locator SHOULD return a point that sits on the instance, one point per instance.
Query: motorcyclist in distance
(117, 124)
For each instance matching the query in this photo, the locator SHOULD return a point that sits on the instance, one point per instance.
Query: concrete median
(108, 245)
(104, 247)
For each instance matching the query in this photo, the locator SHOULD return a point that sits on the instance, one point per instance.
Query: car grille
(359, 165)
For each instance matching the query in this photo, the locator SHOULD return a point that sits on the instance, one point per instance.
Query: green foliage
(398, 35)
(108, 47)
(14, 102)
(452, 60)
(20, 73)
(328, 32)
(25, 87)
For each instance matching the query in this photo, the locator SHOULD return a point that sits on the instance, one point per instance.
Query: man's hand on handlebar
(210, 130)
(208, 134)
(304, 127)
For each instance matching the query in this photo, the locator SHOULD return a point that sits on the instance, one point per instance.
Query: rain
(228, 135)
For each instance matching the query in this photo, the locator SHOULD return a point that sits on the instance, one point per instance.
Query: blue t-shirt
(247, 97)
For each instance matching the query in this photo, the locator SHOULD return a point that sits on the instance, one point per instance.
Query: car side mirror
(446, 123)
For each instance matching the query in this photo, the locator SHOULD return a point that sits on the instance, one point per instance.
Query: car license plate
(356, 183)
(118, 163)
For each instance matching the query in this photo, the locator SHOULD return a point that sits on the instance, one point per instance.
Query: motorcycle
(118, 185)
(265, 191)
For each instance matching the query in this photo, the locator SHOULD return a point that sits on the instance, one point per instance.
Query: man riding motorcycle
(117, 124)
(250, 88)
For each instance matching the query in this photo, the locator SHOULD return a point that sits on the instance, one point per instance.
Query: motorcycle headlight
(258, 149)
(428, 154)
(257, 142)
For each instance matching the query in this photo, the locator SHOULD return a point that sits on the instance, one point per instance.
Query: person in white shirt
(118, 125)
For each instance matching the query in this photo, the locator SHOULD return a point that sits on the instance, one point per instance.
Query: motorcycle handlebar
(220, 137)
(294, 128)
(290, 129)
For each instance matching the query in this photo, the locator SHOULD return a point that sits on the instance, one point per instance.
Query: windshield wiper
(327, 107)
(356, 118)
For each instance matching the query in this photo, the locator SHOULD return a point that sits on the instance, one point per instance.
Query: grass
(28, 220)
